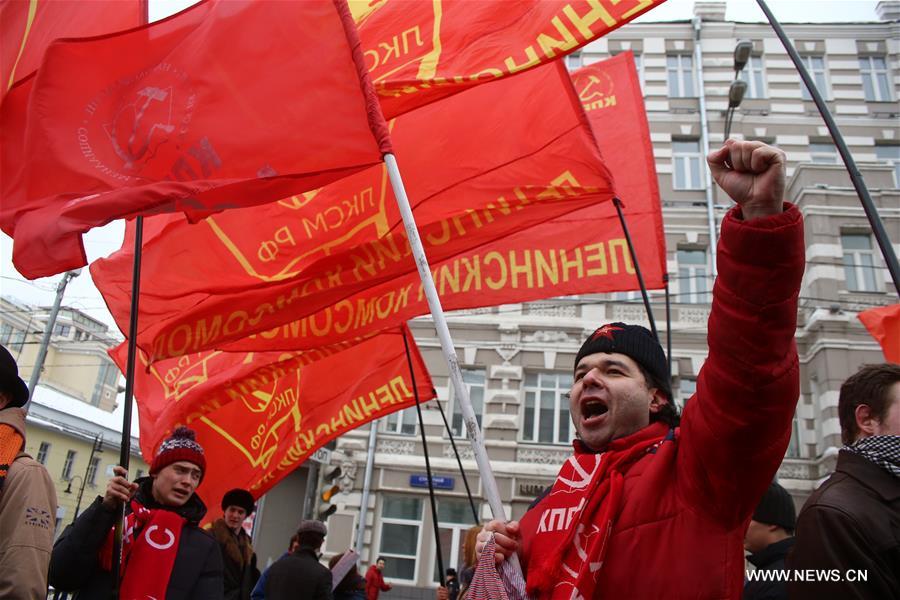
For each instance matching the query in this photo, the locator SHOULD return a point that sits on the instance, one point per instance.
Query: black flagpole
(637, 268)
(125, 449)
(459, 462)
(668, 323)
(861, 190)
(434, 516)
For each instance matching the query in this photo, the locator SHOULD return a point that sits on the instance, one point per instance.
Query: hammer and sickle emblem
(164, 546)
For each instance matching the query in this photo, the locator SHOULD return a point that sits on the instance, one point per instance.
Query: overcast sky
(101, 242)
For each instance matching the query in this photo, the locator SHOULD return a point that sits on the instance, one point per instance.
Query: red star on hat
(605, 332)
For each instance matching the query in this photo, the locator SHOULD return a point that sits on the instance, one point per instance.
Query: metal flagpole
(125, 452)
(862, 191)
(489, 483)
(434, 515)
(668, 323)
(637, 268)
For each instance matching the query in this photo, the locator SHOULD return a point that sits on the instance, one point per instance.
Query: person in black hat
(300, 575)
(241, 573)
(652, 504)
(769, 537)
(27, 496)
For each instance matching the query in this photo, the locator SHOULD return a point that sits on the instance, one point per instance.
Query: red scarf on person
(149, 545)
(578, 516)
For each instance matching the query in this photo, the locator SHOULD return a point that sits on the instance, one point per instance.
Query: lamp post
(96, 448)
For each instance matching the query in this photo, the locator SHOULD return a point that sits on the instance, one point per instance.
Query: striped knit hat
(182, 445)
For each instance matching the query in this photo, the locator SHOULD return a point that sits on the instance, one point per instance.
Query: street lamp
(738, 88)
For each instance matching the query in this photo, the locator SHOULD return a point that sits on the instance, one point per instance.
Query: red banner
(227, 104)
(611, 93)
(258, 416)
(27, 28)
(480, 166)
(419, 52)
(884, 325)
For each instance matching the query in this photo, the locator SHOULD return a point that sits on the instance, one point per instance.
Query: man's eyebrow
(606, 362)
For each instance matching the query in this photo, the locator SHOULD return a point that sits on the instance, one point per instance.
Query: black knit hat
(635, 342)
(10, 382)
(776, 508)
(240, 498)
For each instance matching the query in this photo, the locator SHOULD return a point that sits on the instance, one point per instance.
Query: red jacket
(686, 507)
(375, 583)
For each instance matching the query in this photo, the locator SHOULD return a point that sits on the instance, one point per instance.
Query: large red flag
(28, 27)
(479, 166)
(226, 104)
(258, 416)
(419, 52)
(884, 325)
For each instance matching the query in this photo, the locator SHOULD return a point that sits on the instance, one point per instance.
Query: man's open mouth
(593, 410)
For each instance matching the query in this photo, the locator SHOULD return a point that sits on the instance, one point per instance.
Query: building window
(42, 452)
(687, 386)
(680, 70)
(67, 466)
(692, 276)
(107, 378)
(687, 165)
(401, 520)
(574, 61)
(454, 519)
(890, 155)
(816, 67)
(859, 262)
(61, 330)
(793, 449)
(823, 153)
(752, 74)
(873, 70)
(92, 471)
(12, 337)
(547, 419)
(402, 421)
(474, 380)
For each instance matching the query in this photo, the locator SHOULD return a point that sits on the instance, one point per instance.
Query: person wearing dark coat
(166, 554)
(238, 558)
(769, 537)
(300, 575)
(849, 528)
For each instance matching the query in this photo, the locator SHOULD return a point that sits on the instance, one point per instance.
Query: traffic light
(329, 490)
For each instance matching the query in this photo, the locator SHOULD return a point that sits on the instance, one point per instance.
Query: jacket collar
(771, 553)
(870, 475)
(193, 510)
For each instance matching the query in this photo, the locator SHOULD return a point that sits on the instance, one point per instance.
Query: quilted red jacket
(685, 507)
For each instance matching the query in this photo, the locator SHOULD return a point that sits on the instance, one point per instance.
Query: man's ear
(865, 420)
(658, 400)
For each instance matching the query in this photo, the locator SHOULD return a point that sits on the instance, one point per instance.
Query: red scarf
(578, 516)
(149, 545)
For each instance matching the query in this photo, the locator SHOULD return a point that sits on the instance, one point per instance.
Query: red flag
(611, 93)
(227, 104)
(482, 165)
(419, 52)
(884, 325)
(259, 416)
(27, 28)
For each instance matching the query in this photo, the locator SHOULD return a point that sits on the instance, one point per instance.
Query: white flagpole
(491, 492)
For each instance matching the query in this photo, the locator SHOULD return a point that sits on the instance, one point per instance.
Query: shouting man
(645, 508)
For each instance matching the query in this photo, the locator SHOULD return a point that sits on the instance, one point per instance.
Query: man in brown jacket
(848, 533)
(27, 497)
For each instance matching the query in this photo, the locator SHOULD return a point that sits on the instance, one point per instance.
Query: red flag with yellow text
(419, 52)
(226, 104)
(258, 416)
(480, 166)
(884, 325)
(28, 27)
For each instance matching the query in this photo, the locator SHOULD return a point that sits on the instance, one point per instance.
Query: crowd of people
(651, 504)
